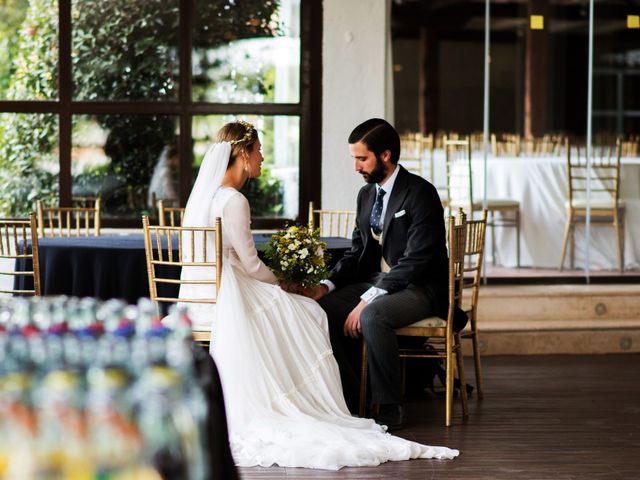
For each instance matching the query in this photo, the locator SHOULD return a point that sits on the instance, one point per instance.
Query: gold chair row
(70, 221)
(84, 218)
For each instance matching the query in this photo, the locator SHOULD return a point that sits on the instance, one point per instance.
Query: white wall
(356, 56)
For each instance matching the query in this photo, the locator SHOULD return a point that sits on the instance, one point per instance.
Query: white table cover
(540, 184)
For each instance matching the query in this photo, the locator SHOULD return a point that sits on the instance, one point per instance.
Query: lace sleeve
(236, 227)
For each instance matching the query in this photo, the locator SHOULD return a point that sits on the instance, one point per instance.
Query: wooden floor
(543, 417)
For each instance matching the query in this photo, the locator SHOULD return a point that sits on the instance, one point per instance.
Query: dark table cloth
(112, 266)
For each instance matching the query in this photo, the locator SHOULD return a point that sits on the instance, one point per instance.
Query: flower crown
(247, 134)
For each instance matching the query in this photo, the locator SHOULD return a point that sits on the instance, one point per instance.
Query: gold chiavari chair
(505, 145)
(460, 194)
(474, 254)
(477, 141)
(438, 332)
(606, 206)
(416, 149)
(164, 265)
(546, 146)
(68, 221)
(15, 236)
(631, 146)
(174, 215)
(332, 223)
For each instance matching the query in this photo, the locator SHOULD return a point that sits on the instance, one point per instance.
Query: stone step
(569, 319)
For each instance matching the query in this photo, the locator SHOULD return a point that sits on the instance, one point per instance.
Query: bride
(281, 383)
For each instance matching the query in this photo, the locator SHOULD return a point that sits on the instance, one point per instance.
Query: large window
(119, 99)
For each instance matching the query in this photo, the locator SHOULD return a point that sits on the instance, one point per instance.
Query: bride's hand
(292, 287)
(317, 292)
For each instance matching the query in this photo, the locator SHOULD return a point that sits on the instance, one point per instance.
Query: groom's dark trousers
(378, 322)
(414, 247)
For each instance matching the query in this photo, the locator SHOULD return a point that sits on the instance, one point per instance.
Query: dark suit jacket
(414, 240)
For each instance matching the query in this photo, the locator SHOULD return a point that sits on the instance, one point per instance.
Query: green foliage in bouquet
(297, 256)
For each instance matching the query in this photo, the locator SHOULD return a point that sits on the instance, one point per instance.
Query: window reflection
(125, 50)
(249, 54)
(130, 161)
(29, 167)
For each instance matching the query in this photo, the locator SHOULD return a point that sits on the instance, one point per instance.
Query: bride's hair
(241, 135)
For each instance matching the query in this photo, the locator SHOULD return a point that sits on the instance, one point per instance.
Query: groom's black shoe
(391, 415)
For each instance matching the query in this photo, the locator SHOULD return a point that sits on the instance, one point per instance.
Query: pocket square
(399, 214)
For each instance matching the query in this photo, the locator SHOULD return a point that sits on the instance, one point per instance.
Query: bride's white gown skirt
(282, 386)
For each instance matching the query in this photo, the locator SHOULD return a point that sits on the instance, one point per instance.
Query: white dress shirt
(374, 292)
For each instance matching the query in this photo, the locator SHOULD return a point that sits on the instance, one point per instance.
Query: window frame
(308, 109)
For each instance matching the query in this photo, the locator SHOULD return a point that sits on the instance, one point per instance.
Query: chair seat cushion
(595, 203)
(431, 322)
(492, 204)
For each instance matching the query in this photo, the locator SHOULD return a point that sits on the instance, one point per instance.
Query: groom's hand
(352, 325)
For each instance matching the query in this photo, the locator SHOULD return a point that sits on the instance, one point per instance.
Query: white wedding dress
(280, 380)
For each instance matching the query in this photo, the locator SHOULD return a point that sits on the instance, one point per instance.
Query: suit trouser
(378, 322)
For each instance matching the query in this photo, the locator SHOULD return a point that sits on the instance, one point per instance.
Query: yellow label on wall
(633, 21)
(537, 22)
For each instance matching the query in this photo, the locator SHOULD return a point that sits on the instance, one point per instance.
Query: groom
(395, 273)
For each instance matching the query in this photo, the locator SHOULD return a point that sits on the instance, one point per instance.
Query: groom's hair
(378, 135)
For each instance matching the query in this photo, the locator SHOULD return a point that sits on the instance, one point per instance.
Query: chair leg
(363, 381)
(518, 237)
(619, 237)
(572, 257)
(493, 237)
(622, 240)
(461, 377)
(449, 386)
(565, 241)
(476, 360)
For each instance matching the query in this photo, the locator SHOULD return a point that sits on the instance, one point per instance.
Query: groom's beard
(377, 174)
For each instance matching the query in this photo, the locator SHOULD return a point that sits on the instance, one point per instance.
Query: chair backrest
(456, 242)
(332, 223)
(171, 216)
(15, 236)
(631, 146)
(164, 264)
(603, 174)
(416, 154)
(505, 145)
(548, 145)
(68, 221)
(459, 174)
(474, 256)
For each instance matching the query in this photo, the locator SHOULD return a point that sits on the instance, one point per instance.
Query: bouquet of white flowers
(297, 256)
